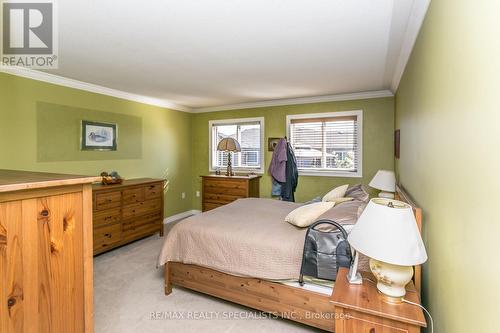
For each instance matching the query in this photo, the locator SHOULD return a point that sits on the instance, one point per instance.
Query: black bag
(325, 252)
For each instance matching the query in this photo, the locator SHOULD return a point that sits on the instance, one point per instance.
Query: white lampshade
(229, 144)
(384, 180)
(387, 231)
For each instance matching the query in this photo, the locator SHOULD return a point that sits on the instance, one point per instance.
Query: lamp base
(229, 171)
(390, 299)
(386, 195)
(391, 279)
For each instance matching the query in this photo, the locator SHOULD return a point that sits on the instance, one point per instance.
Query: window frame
(237, 121)
(333, 173)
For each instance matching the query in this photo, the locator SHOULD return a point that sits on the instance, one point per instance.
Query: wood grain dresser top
(15, 180)
(126, 183)
(232, 177)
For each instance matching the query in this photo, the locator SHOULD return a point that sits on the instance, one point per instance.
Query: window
(327, 144)
(250, 134)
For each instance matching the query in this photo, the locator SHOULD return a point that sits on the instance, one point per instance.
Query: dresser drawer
(362, 323)
(106, 236)
(136, 223)
(220, 198)
(236, 188)
(133, 195)
(106, 217)
(149, 206)
(140, 231)
(154, 191)
(108, 200)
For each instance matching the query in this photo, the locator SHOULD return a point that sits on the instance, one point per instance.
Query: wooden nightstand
(362, 309)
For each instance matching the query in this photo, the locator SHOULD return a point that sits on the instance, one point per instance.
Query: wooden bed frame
(301, 305)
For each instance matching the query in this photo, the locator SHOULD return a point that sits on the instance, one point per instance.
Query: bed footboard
(304, 306)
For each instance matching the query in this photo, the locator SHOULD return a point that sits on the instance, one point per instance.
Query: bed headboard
(402, 195)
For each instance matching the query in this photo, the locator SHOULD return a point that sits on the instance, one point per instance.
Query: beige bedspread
(248, 237)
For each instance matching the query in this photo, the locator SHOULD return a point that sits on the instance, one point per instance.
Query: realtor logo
(29, 37)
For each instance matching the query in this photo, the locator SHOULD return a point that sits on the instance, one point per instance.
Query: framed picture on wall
(98, 136)
(271, 143)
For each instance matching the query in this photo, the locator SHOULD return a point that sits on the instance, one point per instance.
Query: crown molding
(71, 83)
(299, 100)
(415, 22)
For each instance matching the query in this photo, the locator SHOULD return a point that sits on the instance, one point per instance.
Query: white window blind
(327, 143)
(248, 134)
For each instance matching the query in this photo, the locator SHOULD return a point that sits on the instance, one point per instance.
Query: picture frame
(271, 143)
(98, 136)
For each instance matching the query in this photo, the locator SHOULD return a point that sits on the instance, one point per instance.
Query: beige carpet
(128, 297)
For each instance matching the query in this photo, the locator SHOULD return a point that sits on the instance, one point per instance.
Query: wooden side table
(362, 309)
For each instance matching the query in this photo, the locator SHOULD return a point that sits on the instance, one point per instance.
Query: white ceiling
(203, 54)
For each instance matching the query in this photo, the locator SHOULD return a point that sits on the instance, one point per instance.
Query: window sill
(338, 174)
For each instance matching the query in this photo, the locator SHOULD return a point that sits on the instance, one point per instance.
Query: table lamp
(387, 232)
(230, 145)
(385, 181)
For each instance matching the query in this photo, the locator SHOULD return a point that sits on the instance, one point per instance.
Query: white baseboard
(180, 216)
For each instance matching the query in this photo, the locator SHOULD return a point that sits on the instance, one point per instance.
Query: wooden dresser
(45, 252)
(127, 212)
(221, 190)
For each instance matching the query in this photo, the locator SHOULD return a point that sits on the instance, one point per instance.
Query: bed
(244, 252)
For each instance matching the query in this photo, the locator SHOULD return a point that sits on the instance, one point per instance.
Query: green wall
(164, 151)
(448, 112)
(61, 134)
(378, 140)
(39, 131)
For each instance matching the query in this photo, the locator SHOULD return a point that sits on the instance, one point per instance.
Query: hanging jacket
(277, 168)
(292, 176)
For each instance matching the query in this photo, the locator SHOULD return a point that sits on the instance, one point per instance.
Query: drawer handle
(11, 302)
(109, 200)
(107, 235)
(152, 186)
(44, 213)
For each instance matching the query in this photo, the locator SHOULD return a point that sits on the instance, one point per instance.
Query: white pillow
(306, 215)
(336, 193)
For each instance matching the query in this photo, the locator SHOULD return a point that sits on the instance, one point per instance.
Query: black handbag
(325, 252)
